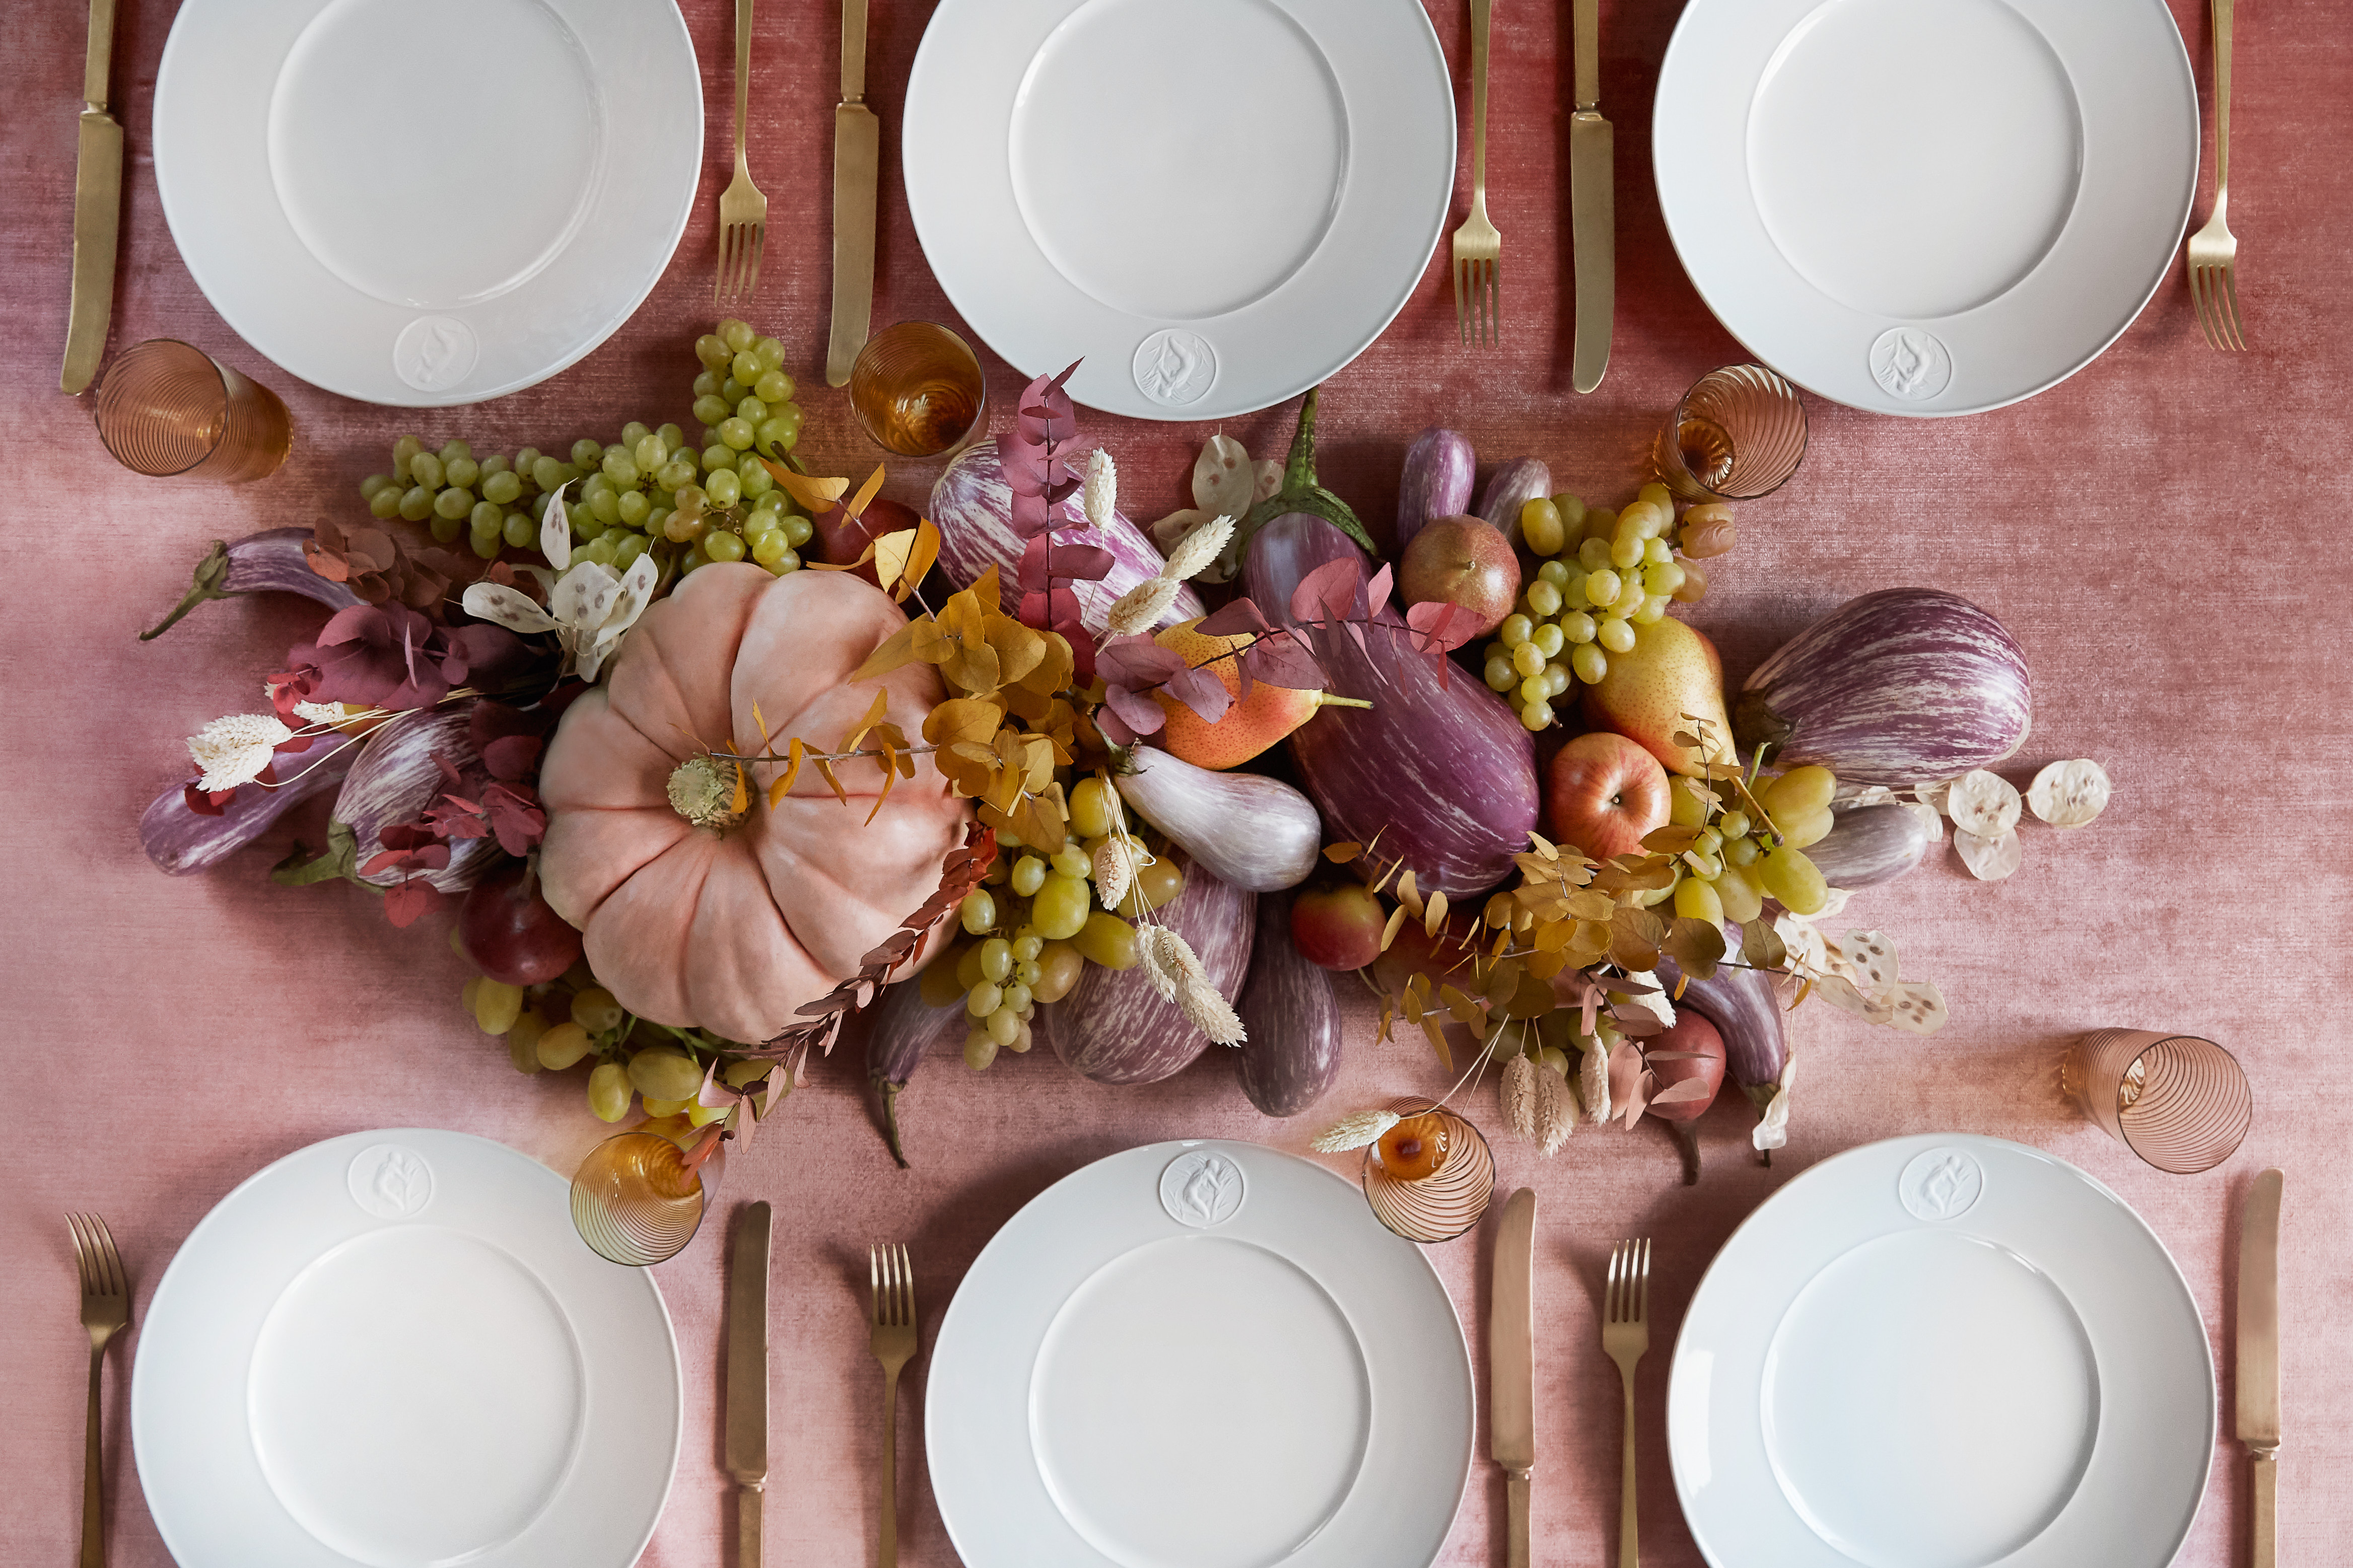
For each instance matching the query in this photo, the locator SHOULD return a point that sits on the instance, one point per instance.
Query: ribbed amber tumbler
(1447, 1202)
(1738, 433)
(166, 409)
(635, 1203)
(2179, 1103)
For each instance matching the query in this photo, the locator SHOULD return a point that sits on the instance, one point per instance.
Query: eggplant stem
(1685, 1144)
(888, 1093)
(211, 572)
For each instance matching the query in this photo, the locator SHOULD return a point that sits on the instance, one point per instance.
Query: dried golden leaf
(1761, 946)
(1545, 965)
(1340, 854)
(1695, 945)
(815, 495)
(897, 649)
(741, 801)
(763, 723)
(1388, 932)
(1587, 905)
(865, 496)
(889, 777)
(920, 559)
(1019, 649)
(825, 771)
(874, 715)
(891, 553)
(1434, 916)
(1408, 894)
(1431, 1028)
(1410, 1002)
(1459, 1007)
(1038, 820)
(863, 557)
(1543, 846)
(1671, 839)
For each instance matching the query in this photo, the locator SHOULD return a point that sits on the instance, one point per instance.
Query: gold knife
(856, 154)
(2259, 1356)
(97, 209)
(1592, 211)
(1511, 1362)
(747, 1377)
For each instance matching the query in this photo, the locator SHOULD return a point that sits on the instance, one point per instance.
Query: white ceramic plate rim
(1747, 1522)
(214, 90)
(2139, 103)
(203, 1486)
(1399, 190)
(991, 1498)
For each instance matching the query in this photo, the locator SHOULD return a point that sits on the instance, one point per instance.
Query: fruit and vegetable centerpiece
(721, 762)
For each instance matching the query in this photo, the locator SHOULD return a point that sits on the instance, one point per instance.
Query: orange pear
(1671, 671)
(1251, 724)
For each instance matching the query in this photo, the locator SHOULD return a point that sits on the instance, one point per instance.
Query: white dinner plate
(1941, 1351)
(427, 202)
(1199, 1355)
(1926, 207)
(391, 1348)
(1214, 205)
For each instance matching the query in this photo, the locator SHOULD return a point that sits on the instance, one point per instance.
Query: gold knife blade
(747, 1375)
(1510, 1362)
(2259, 1355)
(857, 158)
(1592, 205)
(97, 209)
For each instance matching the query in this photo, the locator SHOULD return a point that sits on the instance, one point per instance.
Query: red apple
(1603, 792)
(510, 931)
(1462, 561)
(841, 538)
(1690, 1033)
(1338, 927)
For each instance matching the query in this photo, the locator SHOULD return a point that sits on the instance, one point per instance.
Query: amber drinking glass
(1738, 433)
(166, 409)
(917, 389)
(1443, 1180)
(2179, 1103)
(634, 1202)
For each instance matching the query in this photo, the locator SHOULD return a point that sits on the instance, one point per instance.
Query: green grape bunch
(1602, 575)
(653, 490)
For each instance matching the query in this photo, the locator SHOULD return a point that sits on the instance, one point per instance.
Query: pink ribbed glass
(1738, 433)
(635, 1203)
(2179, 1103)
(166, 409)
(1450, 1200)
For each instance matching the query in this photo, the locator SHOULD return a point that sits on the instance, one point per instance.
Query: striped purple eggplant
(1436, 481)
(1444, 774)
(395, 779)
(1116, 1027)
(972, 506)
(1284, 551)
(1906, 686)
(180, 840)
(1512, 487)
(268, 561)
(1292, 1053)
(1868, 844)
(1253, 831)
(1741, 1005)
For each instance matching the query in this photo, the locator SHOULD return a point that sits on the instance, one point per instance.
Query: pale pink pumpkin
(732, 930)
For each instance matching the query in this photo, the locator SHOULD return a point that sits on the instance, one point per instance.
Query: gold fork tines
(105, 1312)
(2215, 250)
(1478, 245)
(1625, 1336)
(892, 1278)
(743, 210)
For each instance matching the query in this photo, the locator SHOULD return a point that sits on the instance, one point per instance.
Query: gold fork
(105, 1312)
(1478, 246)
(743, 210)
(893, 1279)
(1625, 1335)
(2213, 250)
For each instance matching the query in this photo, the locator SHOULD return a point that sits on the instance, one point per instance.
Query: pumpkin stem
(703, 789)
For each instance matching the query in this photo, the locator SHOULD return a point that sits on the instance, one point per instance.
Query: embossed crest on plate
(1911, 363)
(1202, 1188)
(434, 354)
(1175, 366)
(391, 1180)
(1941, 1183)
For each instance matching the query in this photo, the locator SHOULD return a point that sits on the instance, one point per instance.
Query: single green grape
(625, 555)
(446, 529)
(1662, 576)
(1696, 900)
(585, 451)
(712, 350)
(1625, 553)
(495, 464)
(486, 545)
(769, 547)
(372, 483)
(1536, 715)
(775, 435)
(609, 1091)
(599, 550)
(732, 390)
(1740, 852)
(746, 367)
(1601, 588)
(751, 409)
(735, 432)
(385, 502)
(1543, 598)
(1578, 627)
(1514, 630)
(1572, 513)
(673, 474)
(1791, 877)
(769, 353)
(454, 502)
(1555, 573)
(462, 471)
(424, 468)
(1536, 688)
(1026, 946)
(1500, 674)
(525, 458)
(1588, 663)
(607, 507)
(717, 455)
(710, 409)
(772, 386)
(546, 472)
(1654, 610)
(1617, 637)
(619, 467)
(1556, 679)
(721, 545)
(996, 959)
(724, 488)
(486, 514)
(407, 446)
(758, 482)
(1656, 551)
(1060, 907)
(790, 562)
(633, 506)
(1548, 639)
(1527, 658)
(1029, 875)
(502, 488)
(1070, 861)
(798, 530)
(516, 529)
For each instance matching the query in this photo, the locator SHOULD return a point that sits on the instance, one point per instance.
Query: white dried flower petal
(1918, 1008)
(1114, 870)
(1141, 606)
(1772, 1129)
(1100, 498)
(1853, 796)
(1593, 1084)
(1352, 1132)
(1210, 1012)
(1555, 1111)
(1870, 959)
(509, 607)
(1171, 530)
(555, 530)
(1988, 859)
(1983, 803)
(1933, 795)
(1222, 479)
(1199, 549)
(1266, 480)
(330, 712)
(1932, 818)
(1654, 1003)
(584, 596)
(1515, 1090)
(2069, 795)
(1808, 952)
(1840, 992)
(234, 749)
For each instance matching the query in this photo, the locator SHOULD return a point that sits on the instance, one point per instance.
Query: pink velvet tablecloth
(2163, 532)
